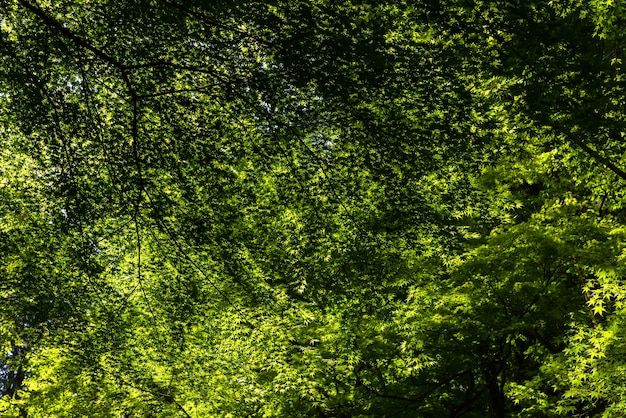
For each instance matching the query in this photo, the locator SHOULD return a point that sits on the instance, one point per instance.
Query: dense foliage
(312, 208)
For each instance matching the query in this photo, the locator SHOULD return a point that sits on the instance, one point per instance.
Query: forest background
(323, 208)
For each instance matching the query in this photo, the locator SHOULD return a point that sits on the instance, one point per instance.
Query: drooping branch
(66, 32)
(81, 42)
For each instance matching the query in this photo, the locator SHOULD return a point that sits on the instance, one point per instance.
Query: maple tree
(317, 208)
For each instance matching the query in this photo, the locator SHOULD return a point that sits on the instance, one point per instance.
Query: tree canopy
(346, 208)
